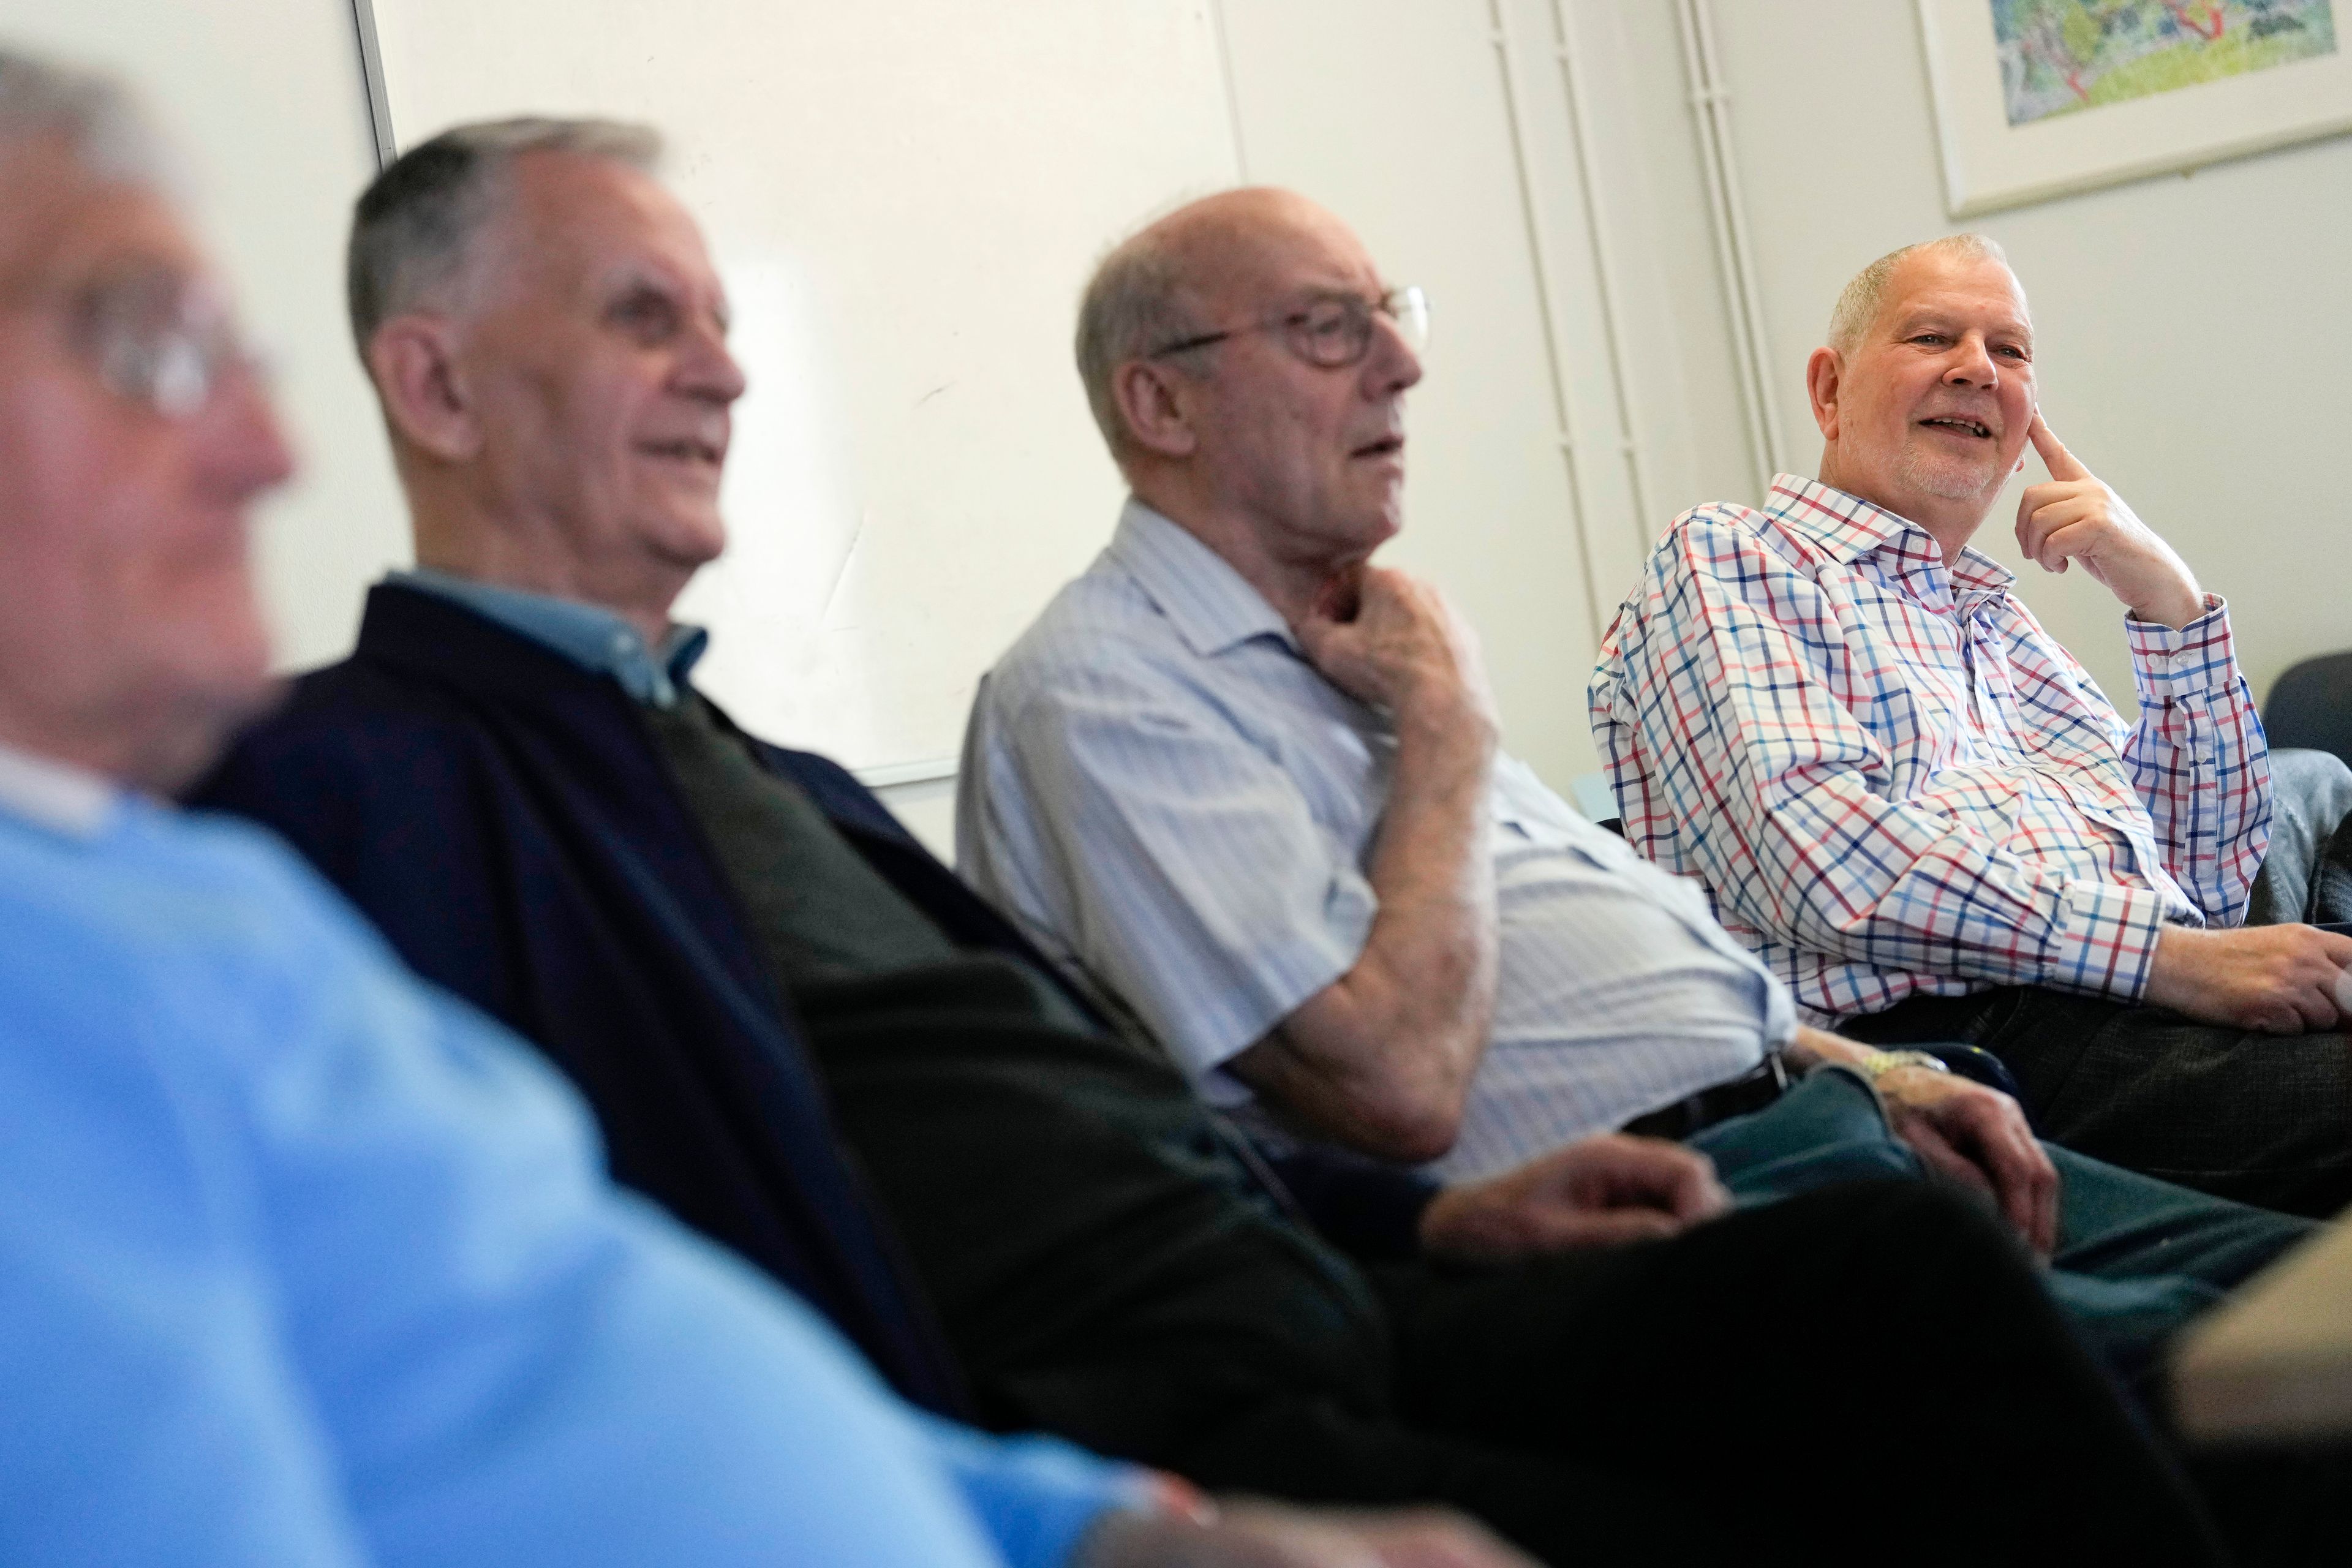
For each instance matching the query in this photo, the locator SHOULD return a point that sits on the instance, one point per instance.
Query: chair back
(2311, 706)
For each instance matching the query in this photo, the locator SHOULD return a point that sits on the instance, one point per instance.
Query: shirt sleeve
(1724, 697)
(2199, 760)
(1170, 857)
(1036, 1497)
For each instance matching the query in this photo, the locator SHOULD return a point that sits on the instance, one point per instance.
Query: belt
(1751, 1090)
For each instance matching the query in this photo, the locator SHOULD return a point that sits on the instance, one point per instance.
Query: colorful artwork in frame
(2037, 99)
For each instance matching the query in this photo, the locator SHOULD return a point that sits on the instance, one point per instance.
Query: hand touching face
(2076, 518)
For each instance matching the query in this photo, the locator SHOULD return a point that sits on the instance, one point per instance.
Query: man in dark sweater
(805, 1039)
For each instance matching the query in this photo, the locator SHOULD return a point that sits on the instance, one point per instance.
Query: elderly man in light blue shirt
(1249, 786)
(302, 1262)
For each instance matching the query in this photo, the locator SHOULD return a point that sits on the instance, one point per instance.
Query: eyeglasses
(1335, 331)
(156, 338)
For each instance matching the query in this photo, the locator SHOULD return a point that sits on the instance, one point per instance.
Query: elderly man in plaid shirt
(1921, 813)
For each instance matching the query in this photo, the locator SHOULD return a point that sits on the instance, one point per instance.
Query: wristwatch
(1878, 1064)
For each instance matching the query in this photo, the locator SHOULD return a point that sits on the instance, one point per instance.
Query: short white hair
(413, 230)
(1859, 302)
(99, 121)
(1134, 306)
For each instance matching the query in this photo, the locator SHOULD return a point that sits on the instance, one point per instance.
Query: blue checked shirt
(1893, 781)
(1180, 811)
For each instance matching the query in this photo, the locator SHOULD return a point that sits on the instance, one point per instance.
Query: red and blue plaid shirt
(1891, 780)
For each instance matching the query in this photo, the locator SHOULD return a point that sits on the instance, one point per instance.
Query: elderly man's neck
(1950, 521)
(639, 591)
(1289, 576)
(157, 742)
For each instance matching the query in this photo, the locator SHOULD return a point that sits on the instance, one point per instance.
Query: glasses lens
(180, 374)
(1335, 331)
(1409, 308)
(158, 341)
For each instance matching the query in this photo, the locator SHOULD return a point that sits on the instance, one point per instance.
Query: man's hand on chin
(1598, 1192)
(2075, 517)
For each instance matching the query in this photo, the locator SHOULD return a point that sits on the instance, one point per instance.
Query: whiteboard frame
(379, 101)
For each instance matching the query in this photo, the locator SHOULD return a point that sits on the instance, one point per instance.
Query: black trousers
(1862, 1374)
(2260, 1118)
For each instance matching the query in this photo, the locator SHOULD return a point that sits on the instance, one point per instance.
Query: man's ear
(1153, 401)
(1824, 378)
(424, 396)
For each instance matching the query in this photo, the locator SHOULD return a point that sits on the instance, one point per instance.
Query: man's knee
(2315, 781)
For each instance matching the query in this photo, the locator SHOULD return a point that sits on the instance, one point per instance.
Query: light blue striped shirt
(1181, 812)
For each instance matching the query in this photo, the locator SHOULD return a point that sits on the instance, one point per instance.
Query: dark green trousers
(1866, 1373)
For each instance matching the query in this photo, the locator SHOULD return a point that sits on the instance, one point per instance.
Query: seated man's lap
(1826, 1129)
(2136, 1259)
(2261, 1119)
(1777, 1329)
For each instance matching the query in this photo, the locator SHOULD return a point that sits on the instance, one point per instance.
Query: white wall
(2192, 329)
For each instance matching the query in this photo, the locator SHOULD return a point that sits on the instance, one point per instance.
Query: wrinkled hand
(2280, 980)
(1598, 1192)
(2074, 517)
(1393, 641)
(1977, 1136)
(1266, 1535)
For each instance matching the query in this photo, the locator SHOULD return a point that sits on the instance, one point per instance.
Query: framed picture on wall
(2037, 99)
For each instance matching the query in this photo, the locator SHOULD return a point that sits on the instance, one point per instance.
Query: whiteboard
(905, 197)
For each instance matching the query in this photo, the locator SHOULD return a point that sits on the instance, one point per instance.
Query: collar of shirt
(55, 795)
(590, 636)
(1212, 606)
(1850, 528)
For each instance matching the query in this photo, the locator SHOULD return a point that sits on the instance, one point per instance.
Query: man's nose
(709, 370)
(244, 443)
(1972, 364)
(1394, 364)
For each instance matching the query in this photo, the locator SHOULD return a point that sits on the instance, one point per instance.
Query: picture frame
(2085, 93)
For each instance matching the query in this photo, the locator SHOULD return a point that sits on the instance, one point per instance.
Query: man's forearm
(2198, 761)
(1381, 1059)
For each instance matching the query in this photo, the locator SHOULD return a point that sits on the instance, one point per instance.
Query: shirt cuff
(2106, 945)
(1037, 1497)
(2199, 660)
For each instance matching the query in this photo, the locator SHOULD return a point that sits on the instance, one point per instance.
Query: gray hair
(413, 227)
(1859, 302)
(1133, 306)
(96, 119)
